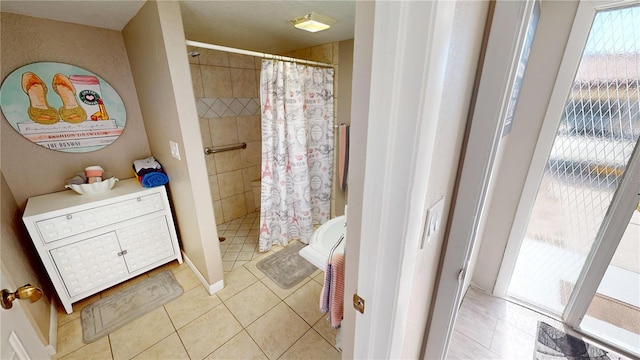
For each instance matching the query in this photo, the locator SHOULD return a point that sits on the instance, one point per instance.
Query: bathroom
(146, 82)
(142, 136)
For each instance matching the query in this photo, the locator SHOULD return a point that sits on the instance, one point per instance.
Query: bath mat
(553, 343)
(286, 268)
(118, 309)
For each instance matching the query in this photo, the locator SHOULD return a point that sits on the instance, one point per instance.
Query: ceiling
(260, 25)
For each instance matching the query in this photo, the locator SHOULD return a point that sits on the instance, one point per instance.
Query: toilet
(322, 241)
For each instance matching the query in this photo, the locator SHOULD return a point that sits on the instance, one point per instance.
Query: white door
(19, 339)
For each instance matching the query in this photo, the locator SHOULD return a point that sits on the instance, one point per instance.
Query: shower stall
(226, 87)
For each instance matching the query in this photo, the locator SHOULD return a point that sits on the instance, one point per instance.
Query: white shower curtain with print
(297, 150)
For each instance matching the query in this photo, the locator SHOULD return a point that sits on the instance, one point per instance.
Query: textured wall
(30, 169)
(157, 52)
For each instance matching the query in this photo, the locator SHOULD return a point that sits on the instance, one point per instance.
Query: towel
(336, 296)
(152, 179)
(148, 163)
(149, 172)
(324, 297)
(343, 158)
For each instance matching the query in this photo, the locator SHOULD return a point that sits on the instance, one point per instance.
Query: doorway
(577, 255)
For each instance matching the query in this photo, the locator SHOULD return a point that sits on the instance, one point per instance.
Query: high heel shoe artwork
(39, 109)
(62, 107)
(70, 111)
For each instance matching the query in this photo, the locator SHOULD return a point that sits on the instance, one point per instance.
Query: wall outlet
(433, 221)
(175, 150)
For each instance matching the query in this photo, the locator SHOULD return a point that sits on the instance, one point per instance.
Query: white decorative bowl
(95, 188)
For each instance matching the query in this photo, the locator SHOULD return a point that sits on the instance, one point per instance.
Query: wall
(157, 52)
(21, 265)
(30, 169)
(225, 86)
(462, 63)
(516, 151)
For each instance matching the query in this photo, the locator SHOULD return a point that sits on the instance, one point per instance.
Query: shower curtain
(297, 150)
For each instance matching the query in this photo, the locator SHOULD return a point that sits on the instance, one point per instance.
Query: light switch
(433, 221)
(175, 150)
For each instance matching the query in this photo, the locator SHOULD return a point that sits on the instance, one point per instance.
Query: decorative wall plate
(62, 107)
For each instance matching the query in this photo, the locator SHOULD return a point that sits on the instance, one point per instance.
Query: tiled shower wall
(226, 87)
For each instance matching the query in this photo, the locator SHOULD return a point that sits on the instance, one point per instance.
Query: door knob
(24, 292)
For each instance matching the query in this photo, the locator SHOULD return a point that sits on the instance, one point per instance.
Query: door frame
(399, 63)
(485, 132)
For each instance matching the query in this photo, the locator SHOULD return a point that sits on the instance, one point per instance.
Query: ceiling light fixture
(313, 22)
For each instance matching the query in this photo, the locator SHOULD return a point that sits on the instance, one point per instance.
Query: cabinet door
(89, 263)
(146, 243)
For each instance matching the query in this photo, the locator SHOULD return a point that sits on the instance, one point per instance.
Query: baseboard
(211, 288)
(53, 328)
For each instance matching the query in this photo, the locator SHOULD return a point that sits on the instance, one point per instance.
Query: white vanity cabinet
(91, 242)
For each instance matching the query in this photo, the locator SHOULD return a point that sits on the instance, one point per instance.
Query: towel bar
(209, 151)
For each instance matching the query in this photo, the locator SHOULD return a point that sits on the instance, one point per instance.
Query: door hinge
(358, 303)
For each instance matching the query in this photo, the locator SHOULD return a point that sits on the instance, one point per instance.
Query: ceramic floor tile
(69, 338)
(64, 318)
(249, 247)
(477, 325)
(251, 303)
(234, 247)
(277, 330)
(464, 348)
(319, 278)
(512, 343)
(140, 334)
(173, 266)
(187, 279)
(228, 266)
(230, 255)
(251, 266)
(280, 292)
(311, 346)
(236, 281)
(323, 327)
(207, 333)
(240, 347)
(239, 263)
(98, 350)
(190, 305)
(305, 302)
(168, 348)
(245, 255)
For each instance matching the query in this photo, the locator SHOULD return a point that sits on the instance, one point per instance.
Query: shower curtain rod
(254, 53)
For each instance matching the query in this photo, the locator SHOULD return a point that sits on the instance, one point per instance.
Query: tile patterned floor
(488, 327)
(251, 318)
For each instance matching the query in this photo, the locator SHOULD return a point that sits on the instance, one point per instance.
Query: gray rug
(286, 268)
(555, 344)
(118, 309)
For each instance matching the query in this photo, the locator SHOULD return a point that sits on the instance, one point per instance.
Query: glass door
(590, 184)
(614, 312)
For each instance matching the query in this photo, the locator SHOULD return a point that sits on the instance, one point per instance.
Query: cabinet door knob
(69, 217)
(123, 252)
